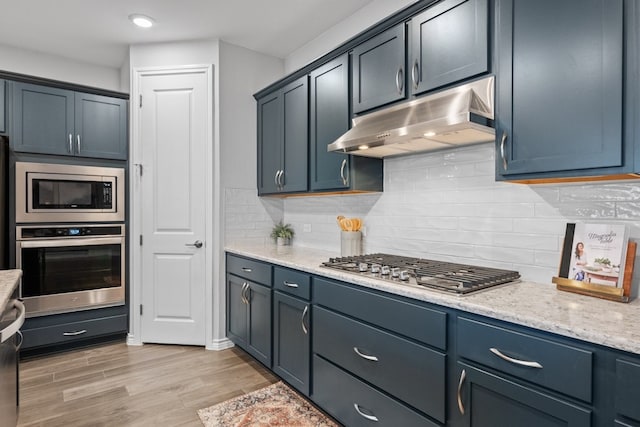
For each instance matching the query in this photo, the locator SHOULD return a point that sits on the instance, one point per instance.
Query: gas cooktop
(450, 277)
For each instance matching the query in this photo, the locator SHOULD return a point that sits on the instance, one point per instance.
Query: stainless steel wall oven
(48, 193)
(71, 267)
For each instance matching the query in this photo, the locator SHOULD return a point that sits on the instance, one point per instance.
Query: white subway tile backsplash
(445, 205)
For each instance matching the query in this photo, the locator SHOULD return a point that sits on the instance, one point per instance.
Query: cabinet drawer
(355, 403)
(292, 282)
(562, 368)
(627, 389)
(408, 371)
(411, 320)
(73, 331)
(255, 271)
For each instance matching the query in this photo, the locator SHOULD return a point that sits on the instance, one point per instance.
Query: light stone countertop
(536, 305)
(8, 283)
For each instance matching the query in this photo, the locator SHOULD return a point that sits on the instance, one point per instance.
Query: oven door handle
(53, 243)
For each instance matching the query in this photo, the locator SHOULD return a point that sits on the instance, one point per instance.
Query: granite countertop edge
(537, 305)
(9, 280)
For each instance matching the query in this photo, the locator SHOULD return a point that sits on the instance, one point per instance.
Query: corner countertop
(536, 305)
(8, 283)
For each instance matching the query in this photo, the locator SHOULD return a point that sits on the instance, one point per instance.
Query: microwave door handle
(70, 242)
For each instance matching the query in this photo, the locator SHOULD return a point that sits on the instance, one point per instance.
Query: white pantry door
(173, 138)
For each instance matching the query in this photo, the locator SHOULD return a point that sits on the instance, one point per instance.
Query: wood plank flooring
(118, 385)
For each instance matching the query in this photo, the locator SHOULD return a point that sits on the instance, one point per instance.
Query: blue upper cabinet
(100, 126)
(43, 120)
(3, 114)
(560, 96)
(329, 120)
(448, 43)
(49, 120)
(283, 139)
(378, 70)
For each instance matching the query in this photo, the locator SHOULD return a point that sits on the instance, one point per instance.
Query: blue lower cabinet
(628, 389)
(410, 372)
(488, 400)
(355, 403)
(291, 340)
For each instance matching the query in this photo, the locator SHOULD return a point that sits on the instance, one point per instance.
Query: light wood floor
(117, 385)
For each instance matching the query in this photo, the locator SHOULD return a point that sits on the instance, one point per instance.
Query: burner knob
(404, 275)
(363, 266)
(395, 272)
(385, 270)
(375, 268)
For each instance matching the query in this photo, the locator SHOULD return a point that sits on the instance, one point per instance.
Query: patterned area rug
(275, 405)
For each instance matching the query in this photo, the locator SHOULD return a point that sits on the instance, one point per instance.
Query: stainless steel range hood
(457, 116)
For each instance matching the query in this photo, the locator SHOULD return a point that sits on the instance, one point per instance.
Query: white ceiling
(99, 32)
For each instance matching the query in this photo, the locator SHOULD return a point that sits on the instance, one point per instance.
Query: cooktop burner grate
(446, 276)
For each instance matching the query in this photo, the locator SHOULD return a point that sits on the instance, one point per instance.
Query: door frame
(213, 204)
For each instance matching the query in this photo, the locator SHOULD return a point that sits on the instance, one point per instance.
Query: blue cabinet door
(100, 126)
(448, 43)
(3, 104)
(236, 310)
(329, 110)
(291, 341)
(295, 136)
(259, 322)
(378, 70)
(43, 119)
(560, 86)
(269, 143)
(488, 400)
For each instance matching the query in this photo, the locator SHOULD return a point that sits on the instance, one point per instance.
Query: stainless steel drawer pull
(243, 295)
(247, 270)
(400, 80)
(365, 356)
(463, 375)
(362, 414)
(516, 361)
(290, 285)
(70, 143)
(75, 333)
(304, 314)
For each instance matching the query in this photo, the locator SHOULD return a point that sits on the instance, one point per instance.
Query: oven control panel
(37, 232)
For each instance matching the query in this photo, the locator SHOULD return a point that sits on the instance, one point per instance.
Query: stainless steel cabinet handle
(246, 270)
(15, 326)
(369, 417)
(502, 143)
(415, 77)
(78, 140)
(74, 333)
(365, 356)
(290, 285)
(345, 179)
(243, 297)
(198, 244)
(275, 178)
(463, 375)
(70, 144)
(516, 361)
(280, 182)
(304, 313)
(21, 340)
(399, 80)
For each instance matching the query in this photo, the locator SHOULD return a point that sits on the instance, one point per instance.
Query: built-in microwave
(47, 193)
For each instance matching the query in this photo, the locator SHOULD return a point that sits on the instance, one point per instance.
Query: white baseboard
(220, 344)
(132, 340)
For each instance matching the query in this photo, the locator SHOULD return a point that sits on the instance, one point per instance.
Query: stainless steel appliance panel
(70, 268)
(47, 193)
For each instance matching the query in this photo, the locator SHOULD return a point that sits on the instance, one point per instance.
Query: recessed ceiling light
(142, 21)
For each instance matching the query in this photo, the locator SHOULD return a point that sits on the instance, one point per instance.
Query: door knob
(198, 244)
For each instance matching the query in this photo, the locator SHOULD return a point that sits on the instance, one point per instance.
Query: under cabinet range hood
(457, 116)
